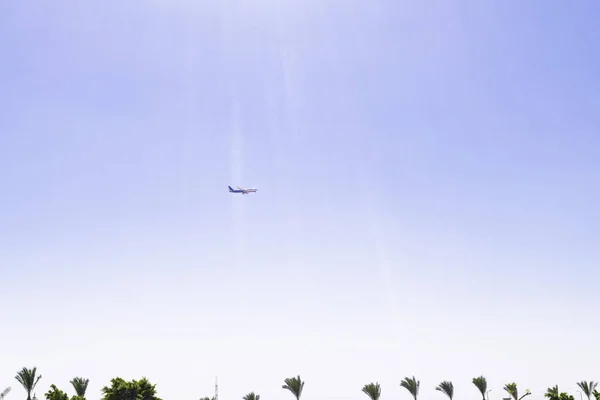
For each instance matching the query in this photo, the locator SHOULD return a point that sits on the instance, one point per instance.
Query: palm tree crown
(80, 385)
(412, 385)
(513, 391)
(587, 388)
(294, 385)
(28, 379)
(552, 393)
(481, 383)
(373, 390)
(447, 388)
(252, 396)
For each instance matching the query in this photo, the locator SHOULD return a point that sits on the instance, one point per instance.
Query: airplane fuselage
(242, 191)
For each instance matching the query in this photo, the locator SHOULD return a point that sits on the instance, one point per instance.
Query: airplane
(241, 190)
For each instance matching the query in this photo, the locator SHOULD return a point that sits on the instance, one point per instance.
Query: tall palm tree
(28, 378)
(447, 388)
(252, 396)
(512, 390)
(80, 385)
(481, 383)
(4, 393)
(294, 385)
(373, 390)
(587, 388)
(412, 385)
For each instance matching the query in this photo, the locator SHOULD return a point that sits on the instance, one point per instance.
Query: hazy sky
(428, 179)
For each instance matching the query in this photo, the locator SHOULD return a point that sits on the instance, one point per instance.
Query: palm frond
(295, 385)
(80, 385)
(412, 385)
(588, 388)
(251, 396)
(552, 393)
(447, 388)
(512, 390)
(373, 390)
(481, 383)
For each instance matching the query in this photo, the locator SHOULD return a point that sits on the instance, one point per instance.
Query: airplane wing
(240, 188)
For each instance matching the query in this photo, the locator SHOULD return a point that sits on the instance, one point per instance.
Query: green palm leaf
(373, 390)
(481, 383)
(251, 396)
(80, 385)
(588, 388)
(447, 388)
(412, 385)
(513, 391)
(295, 385)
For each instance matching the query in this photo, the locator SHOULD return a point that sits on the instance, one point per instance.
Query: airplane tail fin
(230, 188)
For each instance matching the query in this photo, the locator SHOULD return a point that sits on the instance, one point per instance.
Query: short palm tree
(447, 388)
(412, 385)
(481, 383)
(4, 393)
(373, 390)
(294, 385)
(511, 389)
(587, 388)
(252, 396)
(80, 385)
(28, 378)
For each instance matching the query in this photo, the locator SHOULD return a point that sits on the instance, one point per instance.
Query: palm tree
(447, 388)
(587, 388)
(80, 385)
(4, 393)
(28, 379)
(373, 390)
(481, 384)
(412, 385)
(512, 390)
(294, 385)
(252, 396)
(552, 393)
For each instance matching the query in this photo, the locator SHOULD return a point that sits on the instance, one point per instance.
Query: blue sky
(427, 201)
